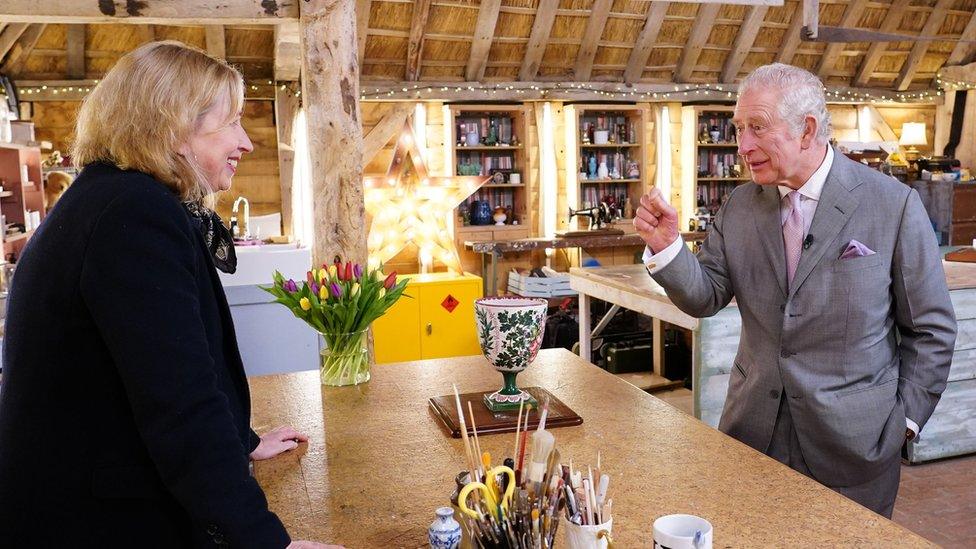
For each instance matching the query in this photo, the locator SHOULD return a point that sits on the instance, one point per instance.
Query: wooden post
(330, 95)
(286, 109)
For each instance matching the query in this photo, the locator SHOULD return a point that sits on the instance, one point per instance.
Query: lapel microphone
(807, 242)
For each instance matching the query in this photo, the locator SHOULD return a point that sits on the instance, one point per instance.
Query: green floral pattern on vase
(510, 331)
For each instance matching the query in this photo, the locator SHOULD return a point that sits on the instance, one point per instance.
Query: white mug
(588, 536)
(678, 532)
(514, 178)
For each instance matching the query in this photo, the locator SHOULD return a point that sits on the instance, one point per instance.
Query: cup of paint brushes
(589, 536)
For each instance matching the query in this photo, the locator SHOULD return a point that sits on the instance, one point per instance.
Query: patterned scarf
(215, 234)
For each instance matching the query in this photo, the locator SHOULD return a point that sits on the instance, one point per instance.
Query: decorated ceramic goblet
(510, 333)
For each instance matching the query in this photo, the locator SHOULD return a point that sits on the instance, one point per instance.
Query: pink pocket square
(856, 249)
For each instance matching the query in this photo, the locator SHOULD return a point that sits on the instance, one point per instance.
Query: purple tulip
(358, 271)
(291, 286)
(315, 288)
(336, 290)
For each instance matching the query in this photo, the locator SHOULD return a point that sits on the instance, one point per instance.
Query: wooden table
(377, 464)
(949, 432)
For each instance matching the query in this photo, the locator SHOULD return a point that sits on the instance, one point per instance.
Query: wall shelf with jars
(611, 156)
(710, 152)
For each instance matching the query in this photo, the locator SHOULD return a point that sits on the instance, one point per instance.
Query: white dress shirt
(809, 198)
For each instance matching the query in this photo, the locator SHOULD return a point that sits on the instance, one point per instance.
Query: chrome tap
(234, 226)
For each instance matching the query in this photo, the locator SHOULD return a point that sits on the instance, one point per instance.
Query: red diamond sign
(450, 303)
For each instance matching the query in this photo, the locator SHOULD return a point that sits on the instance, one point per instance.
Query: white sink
(257, 264)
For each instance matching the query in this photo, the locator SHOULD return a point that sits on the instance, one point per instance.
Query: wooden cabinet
(609, 161)
(712, 167)
(19, 197)
(435, 321)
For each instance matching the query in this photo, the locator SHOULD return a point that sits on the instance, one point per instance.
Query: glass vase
(344, 359)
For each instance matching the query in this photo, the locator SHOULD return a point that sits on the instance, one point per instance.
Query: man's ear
(809, 132)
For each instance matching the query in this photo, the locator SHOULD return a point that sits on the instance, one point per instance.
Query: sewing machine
(598, 216)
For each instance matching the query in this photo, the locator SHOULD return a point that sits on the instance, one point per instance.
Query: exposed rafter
(216, 43)
(791, 39)
(744, 40)
(853, 14)
(10, 36)
(932, 25)
(421, 10)
(700, 31)
(21, 50)
(645, 42)
(538, 39)
(591, 38)
(965, 52)
(484, 32)
(75, 45)
(891, 23)
(363, 8)
(288, 52)
(146, 33)
(202, 12)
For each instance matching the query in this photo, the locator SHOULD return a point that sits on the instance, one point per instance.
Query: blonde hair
(147, 107)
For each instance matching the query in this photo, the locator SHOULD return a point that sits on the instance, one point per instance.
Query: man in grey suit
(847, 328)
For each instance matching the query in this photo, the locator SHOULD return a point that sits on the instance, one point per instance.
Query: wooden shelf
(724, 179)
(6, 194)
(719, 145)
(498, 148)
(502, 186)
(19, 236)
(609, 146)
(608, 181)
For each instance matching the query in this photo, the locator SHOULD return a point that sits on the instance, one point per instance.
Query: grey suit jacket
(856, 346)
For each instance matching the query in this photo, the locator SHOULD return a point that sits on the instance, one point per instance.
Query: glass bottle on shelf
(492, 138)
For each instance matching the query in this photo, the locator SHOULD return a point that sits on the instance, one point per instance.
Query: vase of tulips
(340, 301)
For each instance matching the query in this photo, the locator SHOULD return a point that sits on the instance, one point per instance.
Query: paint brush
(464, 432)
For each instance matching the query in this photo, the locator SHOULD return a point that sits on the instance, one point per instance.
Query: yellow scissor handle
(466, 491)
(510, 487)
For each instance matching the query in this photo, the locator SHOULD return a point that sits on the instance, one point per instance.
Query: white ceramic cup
(586, 537)
(601, 137)
(514, 178)
(678, 532)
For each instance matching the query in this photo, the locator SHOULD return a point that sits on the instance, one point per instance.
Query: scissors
(489, 494)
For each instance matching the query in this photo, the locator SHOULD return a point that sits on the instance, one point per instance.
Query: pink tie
(793, 235)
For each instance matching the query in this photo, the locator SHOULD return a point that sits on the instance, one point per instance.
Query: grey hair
(801, 95)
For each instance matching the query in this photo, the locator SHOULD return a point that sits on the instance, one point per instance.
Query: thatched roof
(633, 41)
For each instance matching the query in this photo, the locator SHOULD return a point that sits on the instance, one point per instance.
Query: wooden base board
(445, 408)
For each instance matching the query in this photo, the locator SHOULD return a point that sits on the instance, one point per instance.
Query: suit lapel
(770, 229)
(835, 208)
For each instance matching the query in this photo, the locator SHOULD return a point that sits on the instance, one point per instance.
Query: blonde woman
(128, 424)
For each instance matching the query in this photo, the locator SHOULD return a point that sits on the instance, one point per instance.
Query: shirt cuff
(662, 258)
(913, 427)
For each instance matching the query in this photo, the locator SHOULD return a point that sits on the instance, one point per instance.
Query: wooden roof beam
(700, 31)
(421, 11)
(538, 39)
(965, 50)
(10, 36)
(744, 39)
(791, 40)
(21, 49)
(75, 45)
(645, 42)
(932, 25)
(890, 23)
(484, 32)
(287, 52)
(203, 12)
(145, 33)
(363, 8)
(852, 15)
(591, 39)
(216, 43)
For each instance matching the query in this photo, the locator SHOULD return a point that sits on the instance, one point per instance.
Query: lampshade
(913, 133)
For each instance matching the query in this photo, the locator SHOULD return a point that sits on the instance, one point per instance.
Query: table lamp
(912, 134)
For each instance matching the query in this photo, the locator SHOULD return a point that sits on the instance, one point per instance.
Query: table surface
(377, 463)
(586, 241)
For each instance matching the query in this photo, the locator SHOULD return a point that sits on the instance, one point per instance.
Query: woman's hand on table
(302, 544)
(277, 441)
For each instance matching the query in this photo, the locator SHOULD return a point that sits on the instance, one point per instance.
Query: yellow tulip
(381, 294)
(324, 293)
(321, 276)
(305, 303)
(355, 289)
(332, 271)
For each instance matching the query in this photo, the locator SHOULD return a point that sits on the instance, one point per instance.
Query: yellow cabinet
(436, 321)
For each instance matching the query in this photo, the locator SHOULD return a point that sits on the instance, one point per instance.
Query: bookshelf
(19, 197)
(710, 156)
(611, 156)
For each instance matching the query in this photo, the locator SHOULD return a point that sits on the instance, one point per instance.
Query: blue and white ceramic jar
(445, 532)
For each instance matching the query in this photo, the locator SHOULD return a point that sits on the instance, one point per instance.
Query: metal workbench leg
(494, 273)
(584, 327)
(484, 274)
